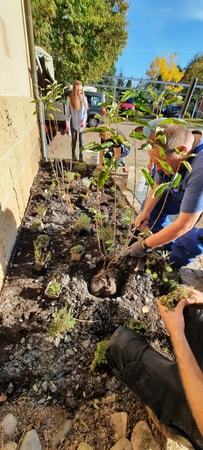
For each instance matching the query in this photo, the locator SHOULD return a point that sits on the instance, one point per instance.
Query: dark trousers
(74, 134)
(154, 379)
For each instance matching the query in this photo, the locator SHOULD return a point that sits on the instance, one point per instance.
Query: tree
(85, 38)
(165, 69)
(194, 69)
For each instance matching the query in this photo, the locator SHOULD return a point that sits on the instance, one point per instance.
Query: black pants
(74, 134)
(154, 379)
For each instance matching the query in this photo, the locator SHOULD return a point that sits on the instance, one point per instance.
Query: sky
(160, 28)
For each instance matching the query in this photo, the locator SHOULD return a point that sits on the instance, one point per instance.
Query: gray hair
(176, 136)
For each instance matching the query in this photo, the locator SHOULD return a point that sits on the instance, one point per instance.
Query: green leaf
(161, 137)
(148, 177)
(160, 189)
(165, 166)
(102, 178)
(187, 165)
(176, 180)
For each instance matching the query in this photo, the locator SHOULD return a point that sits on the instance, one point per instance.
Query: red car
(129, 105)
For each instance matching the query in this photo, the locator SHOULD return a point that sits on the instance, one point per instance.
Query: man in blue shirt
(170, 146)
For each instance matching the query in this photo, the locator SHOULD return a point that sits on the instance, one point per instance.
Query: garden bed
(45, 370)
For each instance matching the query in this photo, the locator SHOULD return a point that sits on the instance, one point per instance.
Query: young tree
(86, 37)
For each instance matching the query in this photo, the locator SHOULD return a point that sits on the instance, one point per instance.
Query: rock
(9, 423)
(142, 439)
(31, 441)
(67, 427)
(10, 446)
(122, 444)
(119, 423)
(84, 446)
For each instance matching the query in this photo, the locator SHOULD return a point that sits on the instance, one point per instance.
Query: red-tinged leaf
(3, 398)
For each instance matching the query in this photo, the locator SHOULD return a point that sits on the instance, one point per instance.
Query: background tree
(166, 69)
(85, 38)
(194, 69)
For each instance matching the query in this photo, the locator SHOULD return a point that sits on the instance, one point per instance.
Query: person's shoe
(74, 158)
(80, 157)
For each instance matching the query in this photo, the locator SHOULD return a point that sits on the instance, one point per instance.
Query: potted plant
(53, 289)
(76, 252)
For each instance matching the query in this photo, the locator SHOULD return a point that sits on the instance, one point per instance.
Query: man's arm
(190, 373)
(180, 226)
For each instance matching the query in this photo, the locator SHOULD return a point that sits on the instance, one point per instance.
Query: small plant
(99, 355)
(62, 321)
(69, 176)
(138, 326)
(82, 223)
(53, 289)
(42, 256)
(41, 210)
(47, 194)
(127, 217)
(86, 182)
(77, 249)
(172, 298)
(37, 225)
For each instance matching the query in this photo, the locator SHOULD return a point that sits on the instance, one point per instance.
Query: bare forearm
(167, 234)
(180, 226)
(191, 376)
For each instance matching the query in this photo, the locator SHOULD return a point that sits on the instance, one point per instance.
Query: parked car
(129, 105)
(94, 99)
(57, 118)
(172, 111)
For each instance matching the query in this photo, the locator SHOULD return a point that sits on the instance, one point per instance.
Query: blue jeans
(183, 249)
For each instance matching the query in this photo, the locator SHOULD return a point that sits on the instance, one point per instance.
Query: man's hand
(195, 297)
(173, 318)
(137, 250)
(141, 221)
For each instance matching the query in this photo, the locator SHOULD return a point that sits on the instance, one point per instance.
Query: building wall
(20, 148)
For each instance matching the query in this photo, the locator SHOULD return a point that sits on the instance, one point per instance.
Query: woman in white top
(76, 116)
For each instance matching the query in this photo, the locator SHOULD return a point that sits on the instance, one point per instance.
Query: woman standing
(76, 116)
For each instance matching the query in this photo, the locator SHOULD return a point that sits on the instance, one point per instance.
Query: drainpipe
(30, 36)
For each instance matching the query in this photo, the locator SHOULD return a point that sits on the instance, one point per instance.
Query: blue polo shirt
(189, 193)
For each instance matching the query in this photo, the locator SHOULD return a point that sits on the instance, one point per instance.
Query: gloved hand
(137, 250)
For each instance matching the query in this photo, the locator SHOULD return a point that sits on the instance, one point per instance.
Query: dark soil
(48, 379)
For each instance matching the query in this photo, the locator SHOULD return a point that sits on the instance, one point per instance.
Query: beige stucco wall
(20, 148)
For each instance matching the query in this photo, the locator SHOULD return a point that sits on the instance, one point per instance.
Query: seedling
(82, 223)
(40, 251)
(37, 225)
(53, 289)
(99, 355)
(41, 210)
(62, 321)
(172, 298)
(138, 326)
